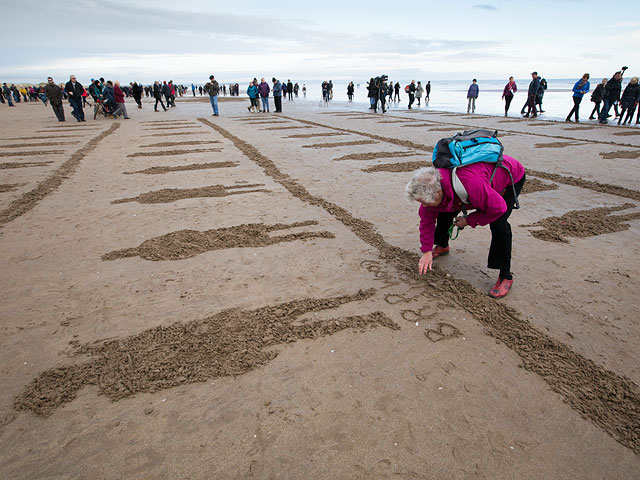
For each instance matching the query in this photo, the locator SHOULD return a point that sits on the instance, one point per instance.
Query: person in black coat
(157, 94)
(629, 100)
(136, 89)
(611, 94)
(596, 97)
(74, 90)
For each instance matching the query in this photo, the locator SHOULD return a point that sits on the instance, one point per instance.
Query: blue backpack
(466, 148)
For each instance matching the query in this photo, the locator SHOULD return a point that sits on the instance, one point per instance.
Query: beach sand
(196, 297)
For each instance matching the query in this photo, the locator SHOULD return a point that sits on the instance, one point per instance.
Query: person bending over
(492, 201)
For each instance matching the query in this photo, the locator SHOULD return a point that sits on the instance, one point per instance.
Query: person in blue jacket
(277, 94)
(472, 94)
(579, 89)
(252, 91)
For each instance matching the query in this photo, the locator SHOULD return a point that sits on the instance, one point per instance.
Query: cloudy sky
(308, 40)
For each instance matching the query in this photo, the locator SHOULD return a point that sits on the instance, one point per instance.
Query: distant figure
(325, 93)
(534, 85)
(629, 100)
(427, 92)
(277, 94)
(290, 90)
(350, 91)
(507, 94)
(213, 88)
(296, 89)
(284, 90)
(596, 97)
(419, 92)
(396, 89)
(540, 95)
(579, 90)
(157, 94)
(264, 90)
(612, 94)
(74, 89)
(412, 93)
(252, 92)
(136, 89)
(472, 94)
(304, 90)
(330, 88)
(119, 97)
(54, 94)
(372, 93)
(193, 89)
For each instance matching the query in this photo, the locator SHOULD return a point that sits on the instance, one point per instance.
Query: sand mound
(397, 167)
(374, 155)
(532, 185)
(7, 165)
(182, 168)
(160, 153)
(621, 154)
(168, 195)
(315, 135)
(340, 144)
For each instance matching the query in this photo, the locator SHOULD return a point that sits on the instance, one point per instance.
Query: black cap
(534, 73)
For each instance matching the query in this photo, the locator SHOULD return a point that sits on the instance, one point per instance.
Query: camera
(624, 68)
(379, 80)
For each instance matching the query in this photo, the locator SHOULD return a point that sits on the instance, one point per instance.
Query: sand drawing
(621, 154)
(392, 121)
(417, 125)
(340, 144)
(583, 223)
(168, 195)
(42, 144)
(397, 167)
(611, 401)
(31, 153)
(161, 153)
(231, 342)
(189, 243)
(173, 134)
(315, 135)
(168, 122)
(577, 129)
(10, 187)
(30, 199)
(588, 184)
(43, 137)
(176, 144)
(7, 165)
(532, 185)
(444, 331)
(556, 144)
(170, 128)
(374, 155)
(183, 168)
(626, 134)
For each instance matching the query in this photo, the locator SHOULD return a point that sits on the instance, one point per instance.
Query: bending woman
(492, 202)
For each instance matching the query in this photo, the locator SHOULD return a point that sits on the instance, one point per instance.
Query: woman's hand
(460, 222)
(425, 263)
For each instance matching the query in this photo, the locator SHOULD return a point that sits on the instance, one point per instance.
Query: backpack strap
(459, 190)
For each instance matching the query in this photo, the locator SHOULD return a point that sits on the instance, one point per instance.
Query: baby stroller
(103, 107)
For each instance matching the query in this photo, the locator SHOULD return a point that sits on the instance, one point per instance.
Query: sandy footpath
(195, 297)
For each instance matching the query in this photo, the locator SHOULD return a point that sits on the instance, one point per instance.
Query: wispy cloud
(485, 6)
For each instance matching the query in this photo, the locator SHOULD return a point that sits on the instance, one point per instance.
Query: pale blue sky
(145, 40)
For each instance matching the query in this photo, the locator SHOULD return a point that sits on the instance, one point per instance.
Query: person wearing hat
(213, 88)
(54, 94)
(277, 94)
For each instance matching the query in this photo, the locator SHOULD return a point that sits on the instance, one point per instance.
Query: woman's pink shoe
(501, 288)
(439, 251)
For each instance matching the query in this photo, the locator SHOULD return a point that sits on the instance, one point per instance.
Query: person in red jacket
(492, 200)
(119, 96)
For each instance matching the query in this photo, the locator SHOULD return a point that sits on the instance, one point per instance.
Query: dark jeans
(76, 105)
(59, 111)
(278, 103)
(531, 104)
(290, 95)
(507, 103)
(606, 106)
(159, 99)
(412, 97)
(596, 110)
(501, 236)
(576, 108)
(630, 112)
(138, 100)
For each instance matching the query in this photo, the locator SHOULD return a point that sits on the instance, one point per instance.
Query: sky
(146, 40)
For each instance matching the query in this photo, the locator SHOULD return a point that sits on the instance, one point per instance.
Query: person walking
(412, 93)
(277, 94)
(396, 89)
(611, 94)
(213, 88)
(509, 91)
(136, 90)
(419, 92)
(157, 94)
(290, 90)
(629, 100)
(74, 90)
(540, 95)
(596, 97)
(264, 90)
(580, 88)
(252, 92)
(119, 98)
(372, 93)
(54, 94)
(472, 95)
(427, 93)
(304, 90)
(534, 85)
(350, 90)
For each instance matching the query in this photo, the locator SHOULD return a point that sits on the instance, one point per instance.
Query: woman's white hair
(424, 185)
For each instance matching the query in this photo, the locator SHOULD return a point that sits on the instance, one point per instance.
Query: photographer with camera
(377, 92)
(611, 94)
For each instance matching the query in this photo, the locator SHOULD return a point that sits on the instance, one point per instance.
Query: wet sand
(252, 309)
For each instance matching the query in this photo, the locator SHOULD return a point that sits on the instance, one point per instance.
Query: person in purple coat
(264, 90)
(492, 201)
